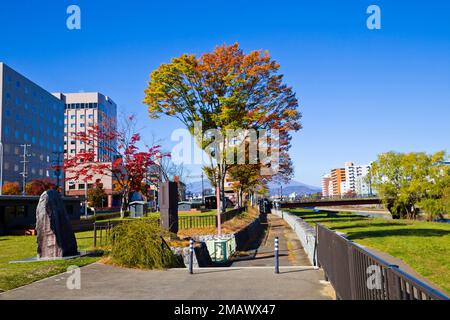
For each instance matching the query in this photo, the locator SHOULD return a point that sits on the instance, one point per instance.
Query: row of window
(81, 106)
(17, 168)
(81, 186)
(54, 105)
(81, 124)
(72, 116)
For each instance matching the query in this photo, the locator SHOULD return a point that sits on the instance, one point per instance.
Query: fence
(357, 274)
(103, 232)
(199, 221)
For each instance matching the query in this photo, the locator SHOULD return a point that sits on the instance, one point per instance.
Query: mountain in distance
(292, 186)
(288, 188)
(196, 186)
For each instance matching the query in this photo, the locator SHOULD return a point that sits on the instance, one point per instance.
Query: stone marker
(55, 237)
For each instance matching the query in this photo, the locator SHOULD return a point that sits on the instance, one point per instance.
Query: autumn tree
(11, 188)
(129, 165)
(97, 195)
(412, 183)
(225, 90)
(37, 186)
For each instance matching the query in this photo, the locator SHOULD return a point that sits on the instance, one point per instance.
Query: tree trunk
(123, 207)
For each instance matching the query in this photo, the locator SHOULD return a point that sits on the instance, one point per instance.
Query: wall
(305, 233)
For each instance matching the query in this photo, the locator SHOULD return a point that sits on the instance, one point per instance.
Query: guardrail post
(277, 262)
(191, 256)
(95, 235)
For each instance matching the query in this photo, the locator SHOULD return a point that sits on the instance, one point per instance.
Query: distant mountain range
(293, 186)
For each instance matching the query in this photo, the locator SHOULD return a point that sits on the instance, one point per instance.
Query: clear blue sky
(361, 92)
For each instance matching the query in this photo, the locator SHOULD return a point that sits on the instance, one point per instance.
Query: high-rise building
(82, 112)
(338, 181)
(31, 129)
(327, 185)
(356, 178)
(350, 179)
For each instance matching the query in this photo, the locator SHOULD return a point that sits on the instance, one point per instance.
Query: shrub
(139, 244)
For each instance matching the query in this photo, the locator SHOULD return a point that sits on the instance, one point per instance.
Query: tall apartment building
(338, 181)
(327, 186)
(29, 115)
(351, 178)
(82, 111)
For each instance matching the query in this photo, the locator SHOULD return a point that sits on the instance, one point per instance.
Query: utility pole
(24, 173)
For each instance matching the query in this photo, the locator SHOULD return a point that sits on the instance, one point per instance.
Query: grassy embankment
(424, 246)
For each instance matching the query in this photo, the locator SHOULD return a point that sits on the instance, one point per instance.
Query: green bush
(139, 244)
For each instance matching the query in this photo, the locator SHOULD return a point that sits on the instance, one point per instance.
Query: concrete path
(99, 281)
(290, 248)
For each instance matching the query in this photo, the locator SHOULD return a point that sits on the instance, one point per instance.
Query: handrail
(347, 267)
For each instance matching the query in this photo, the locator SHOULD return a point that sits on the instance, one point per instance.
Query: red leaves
(130, 164)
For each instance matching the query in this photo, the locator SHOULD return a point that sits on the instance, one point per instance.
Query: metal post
(191, 256)
(277, 262)
(85, 199)
(95, 235)
(219, 222)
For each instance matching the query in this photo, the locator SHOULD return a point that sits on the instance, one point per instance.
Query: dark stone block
(55, 237)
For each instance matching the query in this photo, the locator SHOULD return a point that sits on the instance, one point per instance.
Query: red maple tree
(120, 157)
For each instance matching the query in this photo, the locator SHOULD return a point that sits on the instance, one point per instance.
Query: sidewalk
(291, 251)
(99, 281)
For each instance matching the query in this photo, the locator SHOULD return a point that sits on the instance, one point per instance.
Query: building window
(81, 186)
(72, 186)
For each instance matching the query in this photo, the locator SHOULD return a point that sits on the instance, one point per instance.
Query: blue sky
(361, 91)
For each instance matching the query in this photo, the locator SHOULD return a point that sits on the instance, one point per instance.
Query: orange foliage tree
(11, 188)
(226, 89)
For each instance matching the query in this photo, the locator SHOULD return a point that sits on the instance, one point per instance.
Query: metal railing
(199, 221)
(357, 274)
(331, 198)
(103, 232)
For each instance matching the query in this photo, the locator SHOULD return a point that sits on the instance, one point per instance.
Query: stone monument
(55, 237)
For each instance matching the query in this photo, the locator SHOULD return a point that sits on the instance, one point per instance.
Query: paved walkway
(291, 252)
(100, 281)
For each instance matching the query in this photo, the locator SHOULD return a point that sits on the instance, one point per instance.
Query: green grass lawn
(13, 275)
(424, 246)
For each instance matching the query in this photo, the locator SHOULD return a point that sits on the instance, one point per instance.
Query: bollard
(191, 256)
(277, 263)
